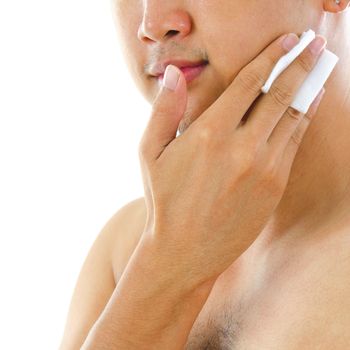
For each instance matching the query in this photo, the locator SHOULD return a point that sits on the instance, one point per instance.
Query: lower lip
(190, 73)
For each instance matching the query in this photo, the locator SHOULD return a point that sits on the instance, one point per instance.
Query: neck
(317, 195)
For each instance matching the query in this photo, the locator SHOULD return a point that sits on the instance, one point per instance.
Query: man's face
(226, 33)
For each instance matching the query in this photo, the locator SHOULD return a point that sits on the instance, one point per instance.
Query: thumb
(167, 111)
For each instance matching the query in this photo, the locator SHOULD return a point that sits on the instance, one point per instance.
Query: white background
(70, 122)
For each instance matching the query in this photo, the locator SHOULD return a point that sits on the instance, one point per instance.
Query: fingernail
(317, 45)
(290, 41)
(171, 77)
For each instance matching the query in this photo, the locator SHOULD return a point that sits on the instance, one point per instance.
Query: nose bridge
(161, 18)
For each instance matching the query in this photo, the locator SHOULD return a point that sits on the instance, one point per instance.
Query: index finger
(229, 108)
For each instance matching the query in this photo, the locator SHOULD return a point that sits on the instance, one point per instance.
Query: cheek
(231, 35)
(228, 54)
(127, 21)
(127, 16)
(236, 42)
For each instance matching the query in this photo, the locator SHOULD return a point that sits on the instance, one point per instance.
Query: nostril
(172, 32)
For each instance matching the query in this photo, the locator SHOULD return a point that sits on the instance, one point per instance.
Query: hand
(211, 191)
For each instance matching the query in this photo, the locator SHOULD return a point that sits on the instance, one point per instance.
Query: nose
(161, 21)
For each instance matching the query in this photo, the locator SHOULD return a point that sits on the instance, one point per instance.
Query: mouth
(190, 73)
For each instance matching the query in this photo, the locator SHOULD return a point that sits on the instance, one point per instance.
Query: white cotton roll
(315, 79)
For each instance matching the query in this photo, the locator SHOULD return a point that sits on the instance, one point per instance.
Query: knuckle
(207, 137)
(205, 134)
(281, 94)
(251, 79)
(159, 110)
(273, 186)
(269, 171)
(305, 62)
(245, 159)
(297, 137)
(294, 114)
(270, 180)
(308, 117)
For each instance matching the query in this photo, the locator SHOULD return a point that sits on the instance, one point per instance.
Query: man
(290, 288)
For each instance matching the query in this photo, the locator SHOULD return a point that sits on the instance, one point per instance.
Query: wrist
(168, 270)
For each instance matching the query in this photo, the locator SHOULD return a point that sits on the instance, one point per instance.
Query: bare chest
(296, 301)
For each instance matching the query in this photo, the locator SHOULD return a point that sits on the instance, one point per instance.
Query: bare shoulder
(126, 227)
(101, 269)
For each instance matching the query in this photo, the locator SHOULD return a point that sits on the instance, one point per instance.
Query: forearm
(149, 309)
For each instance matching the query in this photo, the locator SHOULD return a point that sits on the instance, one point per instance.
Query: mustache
(161, 53)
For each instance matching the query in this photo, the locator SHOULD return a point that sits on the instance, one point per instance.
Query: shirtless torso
(294, 296)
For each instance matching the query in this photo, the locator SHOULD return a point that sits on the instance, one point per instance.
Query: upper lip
(158, 68)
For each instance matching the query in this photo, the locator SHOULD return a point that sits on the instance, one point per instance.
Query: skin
(294, 279)
(318, 191)
(315, 204)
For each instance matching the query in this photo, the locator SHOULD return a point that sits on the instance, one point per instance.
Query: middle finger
(271, 106)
